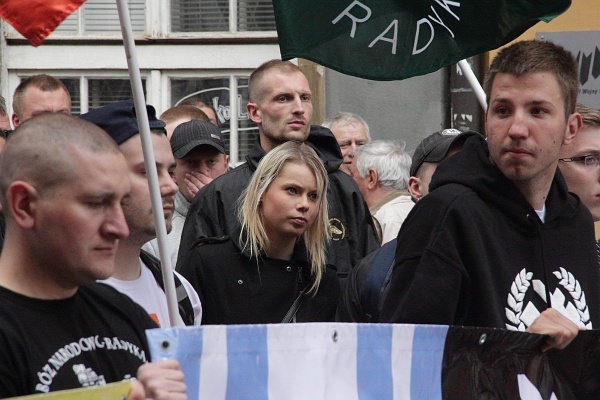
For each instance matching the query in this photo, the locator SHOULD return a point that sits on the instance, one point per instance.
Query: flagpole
(149, 160)
(479, 93)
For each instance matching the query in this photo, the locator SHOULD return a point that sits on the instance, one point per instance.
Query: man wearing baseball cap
(138, 273)
(429, 153)
(200, 157)
(361, 299)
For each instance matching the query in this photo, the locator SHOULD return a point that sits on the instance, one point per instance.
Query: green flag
(397, 39)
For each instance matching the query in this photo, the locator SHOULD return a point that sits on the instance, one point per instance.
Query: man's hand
(560, 330)
(137, 391)
(162, 380)
(195, 181)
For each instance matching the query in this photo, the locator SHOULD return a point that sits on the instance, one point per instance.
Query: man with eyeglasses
(579, 161)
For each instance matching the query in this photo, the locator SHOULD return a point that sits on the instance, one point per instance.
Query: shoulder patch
(336, 229)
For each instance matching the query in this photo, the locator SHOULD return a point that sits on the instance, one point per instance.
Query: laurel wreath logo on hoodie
(521, 316)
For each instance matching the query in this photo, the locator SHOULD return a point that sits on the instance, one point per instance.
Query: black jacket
(234, 289)
(213, 210)
(474, 252)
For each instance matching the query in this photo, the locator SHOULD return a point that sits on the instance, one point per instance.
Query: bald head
(40, 151)
(256, 84)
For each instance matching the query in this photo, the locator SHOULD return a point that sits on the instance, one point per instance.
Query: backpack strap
(186, 310)
(375, 284)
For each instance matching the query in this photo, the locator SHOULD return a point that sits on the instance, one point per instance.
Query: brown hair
(43, 82)
(528, 57)
(40, 150)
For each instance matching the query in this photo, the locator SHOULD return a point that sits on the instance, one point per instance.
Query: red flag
(36, 19)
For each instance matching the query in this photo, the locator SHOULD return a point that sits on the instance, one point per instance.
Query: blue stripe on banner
(248, 363)
(427, 355)
(183, 344)
(374, 362)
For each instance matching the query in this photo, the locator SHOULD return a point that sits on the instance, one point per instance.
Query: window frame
(158, 91)
(158, 27)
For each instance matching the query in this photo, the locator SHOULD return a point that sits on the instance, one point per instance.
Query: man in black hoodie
(280, 104)
(499, 241)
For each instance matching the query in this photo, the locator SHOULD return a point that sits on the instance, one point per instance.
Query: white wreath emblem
(568, 281)
(522, 283)
(515, 300)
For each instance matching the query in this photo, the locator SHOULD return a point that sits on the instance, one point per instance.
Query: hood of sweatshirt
(322, 141)
(493, 187)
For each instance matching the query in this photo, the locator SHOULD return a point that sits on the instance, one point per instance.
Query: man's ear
(254, 112)
(414, 188)
(23, 201)
(226, 161)
(15, 120)
(574, 124)
(373, 178)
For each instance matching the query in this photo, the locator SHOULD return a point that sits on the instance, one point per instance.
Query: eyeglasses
(592, 160)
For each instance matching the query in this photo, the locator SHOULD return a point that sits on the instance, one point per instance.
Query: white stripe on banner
(213, 365)
(310, 355)
(306, 361)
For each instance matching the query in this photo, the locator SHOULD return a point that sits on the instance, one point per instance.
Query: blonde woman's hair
(316, 237)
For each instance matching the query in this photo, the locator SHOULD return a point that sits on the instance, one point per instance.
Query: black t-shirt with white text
(92, 338)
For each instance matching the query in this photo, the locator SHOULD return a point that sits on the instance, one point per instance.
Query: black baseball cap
(119, 120)
(194, 133)
(435, 147)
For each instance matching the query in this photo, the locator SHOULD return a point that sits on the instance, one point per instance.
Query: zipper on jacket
(538, 226)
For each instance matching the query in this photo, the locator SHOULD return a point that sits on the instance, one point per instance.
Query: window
(96, 90)
(219, 15)
(104, 91)
(256, 15)
(199, 16)
(102, 17)
(100, 92)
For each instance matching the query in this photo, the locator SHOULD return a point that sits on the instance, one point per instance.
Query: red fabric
(36, 19)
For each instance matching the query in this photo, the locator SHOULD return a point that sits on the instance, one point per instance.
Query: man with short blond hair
(39, 94)
(62, 185)
(281, 106)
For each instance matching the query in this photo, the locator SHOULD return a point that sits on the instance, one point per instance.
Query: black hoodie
(213, 210)
(474, 252)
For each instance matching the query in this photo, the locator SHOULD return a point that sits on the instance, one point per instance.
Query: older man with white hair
(350, 131)
(381, 170)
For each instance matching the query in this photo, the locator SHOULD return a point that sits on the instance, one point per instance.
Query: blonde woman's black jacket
(213, 210)
(474, 252)
(236, 289)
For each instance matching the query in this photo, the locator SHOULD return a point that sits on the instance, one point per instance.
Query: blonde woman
(274, 269)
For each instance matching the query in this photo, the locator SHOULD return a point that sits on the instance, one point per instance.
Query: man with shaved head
(38, 94)
(62, 185)
(280, 104)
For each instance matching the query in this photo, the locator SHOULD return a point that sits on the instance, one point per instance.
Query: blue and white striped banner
(306, 361)
(377, 362)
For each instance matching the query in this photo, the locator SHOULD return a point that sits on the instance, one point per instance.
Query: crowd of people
(320, 223)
